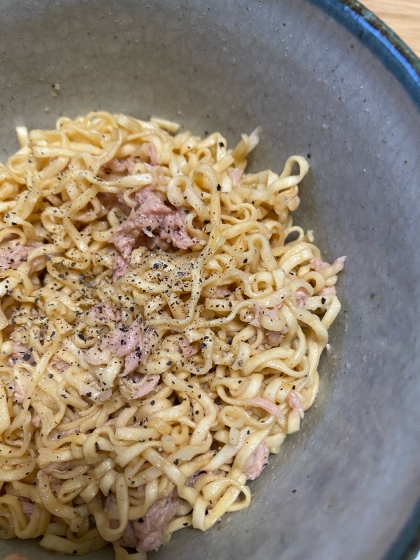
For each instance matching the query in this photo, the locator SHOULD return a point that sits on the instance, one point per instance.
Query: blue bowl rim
(372, 32)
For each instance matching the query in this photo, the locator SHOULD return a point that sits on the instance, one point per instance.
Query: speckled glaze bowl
(324, 79)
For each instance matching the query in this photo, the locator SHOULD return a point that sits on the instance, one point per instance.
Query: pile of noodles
(229, 330)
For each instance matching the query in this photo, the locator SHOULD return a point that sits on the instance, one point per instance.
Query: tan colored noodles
(160, 334)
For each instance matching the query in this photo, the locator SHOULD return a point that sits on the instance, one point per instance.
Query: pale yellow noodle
(236, 325)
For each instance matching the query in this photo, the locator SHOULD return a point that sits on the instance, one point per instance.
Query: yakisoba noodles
(160, 330)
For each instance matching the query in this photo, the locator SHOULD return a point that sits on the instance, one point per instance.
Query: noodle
(160, 331)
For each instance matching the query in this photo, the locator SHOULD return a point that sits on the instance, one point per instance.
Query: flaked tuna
(256, 463)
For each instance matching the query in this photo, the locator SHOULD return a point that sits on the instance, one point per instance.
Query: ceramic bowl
(325, 79)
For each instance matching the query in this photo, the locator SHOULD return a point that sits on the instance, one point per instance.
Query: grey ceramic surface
(347, 484)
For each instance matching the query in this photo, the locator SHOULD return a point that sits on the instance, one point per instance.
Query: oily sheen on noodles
(160, 331)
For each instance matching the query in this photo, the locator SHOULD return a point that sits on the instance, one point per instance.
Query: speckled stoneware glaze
(324, 79)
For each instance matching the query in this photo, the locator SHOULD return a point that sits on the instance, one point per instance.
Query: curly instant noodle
(160, 333)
